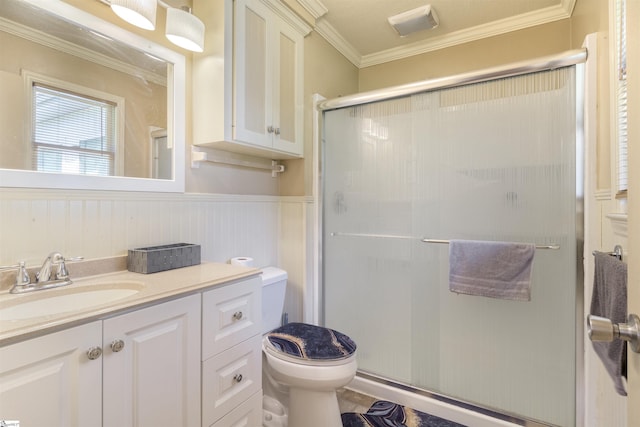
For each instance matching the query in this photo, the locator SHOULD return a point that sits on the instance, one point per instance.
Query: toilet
(303, 365)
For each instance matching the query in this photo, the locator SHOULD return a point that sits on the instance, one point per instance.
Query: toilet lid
(310, 342)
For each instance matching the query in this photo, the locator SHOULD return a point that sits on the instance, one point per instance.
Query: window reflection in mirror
(77, 100)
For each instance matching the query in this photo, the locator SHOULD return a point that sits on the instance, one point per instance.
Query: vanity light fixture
(418, 19)
(182, 28)
(141, 13)
(185, 29)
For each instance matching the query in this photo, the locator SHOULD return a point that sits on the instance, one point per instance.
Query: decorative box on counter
(165, 257)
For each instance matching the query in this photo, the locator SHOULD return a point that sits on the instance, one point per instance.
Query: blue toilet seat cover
(311, 342)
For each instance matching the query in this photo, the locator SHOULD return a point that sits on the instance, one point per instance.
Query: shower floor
(359, 410)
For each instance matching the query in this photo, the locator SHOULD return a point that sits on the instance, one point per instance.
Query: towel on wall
(609, 300)
(491, 269)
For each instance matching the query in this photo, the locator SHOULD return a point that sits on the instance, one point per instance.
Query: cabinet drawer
(230, 315)
(230, 378)
(249, 414)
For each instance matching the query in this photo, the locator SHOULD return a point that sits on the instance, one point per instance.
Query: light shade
(141, 13)
(185, 30)
(421, 18)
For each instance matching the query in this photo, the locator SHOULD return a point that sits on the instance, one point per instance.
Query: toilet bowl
(303, 366)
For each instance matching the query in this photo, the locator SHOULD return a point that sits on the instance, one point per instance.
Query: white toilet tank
(274, 286)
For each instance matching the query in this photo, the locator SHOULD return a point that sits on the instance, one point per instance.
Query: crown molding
(315, 7)
(526, 20)
(335, 39)
(289, 16)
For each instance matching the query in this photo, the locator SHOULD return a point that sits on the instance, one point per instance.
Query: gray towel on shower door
(491, 269)
(609, 300)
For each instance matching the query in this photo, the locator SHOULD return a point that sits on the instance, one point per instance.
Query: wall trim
(619, 224)
(57, 194)
(603, 194)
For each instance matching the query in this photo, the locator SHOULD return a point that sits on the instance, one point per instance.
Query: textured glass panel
(489, 161)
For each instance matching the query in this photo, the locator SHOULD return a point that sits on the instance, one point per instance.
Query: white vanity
(183, 350)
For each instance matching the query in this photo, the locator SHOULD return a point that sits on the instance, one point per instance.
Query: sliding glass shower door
(487, 161)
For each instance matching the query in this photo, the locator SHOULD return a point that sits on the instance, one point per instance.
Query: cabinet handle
(94, 352)
(237, 378)
(270, 129)
(117, 346)
(237, 315)
(276, 131)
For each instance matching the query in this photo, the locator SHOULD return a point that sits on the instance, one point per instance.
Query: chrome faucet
(45, 278)
(44, 275)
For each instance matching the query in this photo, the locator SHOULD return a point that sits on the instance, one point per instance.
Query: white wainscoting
(100, 224)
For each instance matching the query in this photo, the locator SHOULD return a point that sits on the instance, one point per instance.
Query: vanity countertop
(149, 289)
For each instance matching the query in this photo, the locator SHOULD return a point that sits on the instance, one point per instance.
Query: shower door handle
(601, 329)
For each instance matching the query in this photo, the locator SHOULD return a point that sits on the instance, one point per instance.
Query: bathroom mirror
(86, 104)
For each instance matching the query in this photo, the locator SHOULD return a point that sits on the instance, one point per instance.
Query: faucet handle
(22, 275)
(63, 273)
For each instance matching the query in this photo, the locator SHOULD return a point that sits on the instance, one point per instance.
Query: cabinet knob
(237, 315)
(276, 131)
(94, 352)
(237, 378)
(270, 129)
(117, 346)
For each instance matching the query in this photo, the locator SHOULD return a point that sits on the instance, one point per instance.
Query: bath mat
(388, 414)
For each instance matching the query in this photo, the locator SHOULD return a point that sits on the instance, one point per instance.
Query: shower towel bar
(376, 236)
(617, 252)
(552, 246)
(424, 240)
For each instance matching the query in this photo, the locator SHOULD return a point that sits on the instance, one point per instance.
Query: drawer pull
(237, 378)
(237, 315)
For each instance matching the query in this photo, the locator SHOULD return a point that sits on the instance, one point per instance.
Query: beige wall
(329, 74)
(503, 49)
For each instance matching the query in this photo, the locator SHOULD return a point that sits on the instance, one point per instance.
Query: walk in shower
(493, 156)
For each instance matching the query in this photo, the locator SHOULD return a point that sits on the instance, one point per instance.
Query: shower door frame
(577, 58)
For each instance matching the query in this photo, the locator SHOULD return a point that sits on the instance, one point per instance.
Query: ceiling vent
(421, 18)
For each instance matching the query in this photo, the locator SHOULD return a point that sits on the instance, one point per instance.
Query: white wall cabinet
(50, 381)
(268, 77)
(248, 84)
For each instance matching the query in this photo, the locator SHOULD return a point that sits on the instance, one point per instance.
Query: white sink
(50, 302)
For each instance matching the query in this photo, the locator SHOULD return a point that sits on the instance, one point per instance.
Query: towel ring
(617, 252)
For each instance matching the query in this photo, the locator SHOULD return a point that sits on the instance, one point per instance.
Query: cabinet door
(268, 79)
(288, 108)
(253, 57)
(152, 366)
(50, 381)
